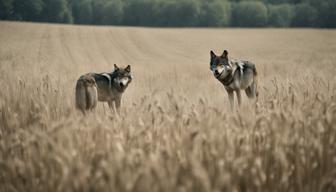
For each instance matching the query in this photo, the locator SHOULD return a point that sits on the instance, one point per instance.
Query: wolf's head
(220, 65)
(121, 77)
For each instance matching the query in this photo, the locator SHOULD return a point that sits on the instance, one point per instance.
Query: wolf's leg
(104, 108)
(249, 92)
(110, 104)
(231, 98)
(254, 90)
(239, 97)
(118, 104)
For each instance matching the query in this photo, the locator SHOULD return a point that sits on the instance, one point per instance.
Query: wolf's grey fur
(235, 75)
(86, 93)
(112, 85)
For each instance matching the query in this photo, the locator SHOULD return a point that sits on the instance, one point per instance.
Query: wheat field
(176, 131)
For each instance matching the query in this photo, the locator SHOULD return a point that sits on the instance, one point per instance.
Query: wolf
(235, 75)
(86, 93)
(111, 86)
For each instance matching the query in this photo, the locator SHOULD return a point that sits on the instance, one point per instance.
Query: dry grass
(176, 132)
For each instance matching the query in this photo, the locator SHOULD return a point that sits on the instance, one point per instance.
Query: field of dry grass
(176, 131)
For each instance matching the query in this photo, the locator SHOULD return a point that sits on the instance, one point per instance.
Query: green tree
(305, 15)
(280, 15)
(6, 9)
(327, 13)
(187, 13)
(57, 11)
(277, 2)
(180, 13)
(82, 11)
(215, 13)
(249, 14)
(165, 14)
(28, 10)
(113, 12)
(141, 12)
(97, 11)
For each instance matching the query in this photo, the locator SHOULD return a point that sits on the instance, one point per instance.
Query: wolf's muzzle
(121, 85)
(217, 73)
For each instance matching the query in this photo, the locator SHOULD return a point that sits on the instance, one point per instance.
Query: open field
(176, 131)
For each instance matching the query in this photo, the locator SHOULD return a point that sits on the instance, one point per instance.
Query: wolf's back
(86, 93)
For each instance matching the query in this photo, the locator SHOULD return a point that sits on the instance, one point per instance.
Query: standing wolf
(235, 75)
(111, 86)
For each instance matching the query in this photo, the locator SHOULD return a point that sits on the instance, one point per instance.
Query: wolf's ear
(225, 54)
(116, 67)
(212, 54)
(128, 68)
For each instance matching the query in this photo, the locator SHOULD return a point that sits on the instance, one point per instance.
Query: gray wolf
(86, 93)
(111, 86)
(235, 75)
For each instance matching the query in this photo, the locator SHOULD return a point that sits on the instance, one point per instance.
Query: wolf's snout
(121, 84)
(216, 72)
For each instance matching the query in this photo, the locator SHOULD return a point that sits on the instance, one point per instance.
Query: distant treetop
(175, 13)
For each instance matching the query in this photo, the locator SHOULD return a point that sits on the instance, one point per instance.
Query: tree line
(175, 13)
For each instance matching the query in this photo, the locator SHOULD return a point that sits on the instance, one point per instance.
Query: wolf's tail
(255, 80)
(254, 87)
(81, 102)
(86, 94)
(91, 95)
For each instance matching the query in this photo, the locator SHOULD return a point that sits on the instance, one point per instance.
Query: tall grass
(179, 138)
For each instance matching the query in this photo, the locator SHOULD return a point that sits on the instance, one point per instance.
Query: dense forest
(175, 13)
